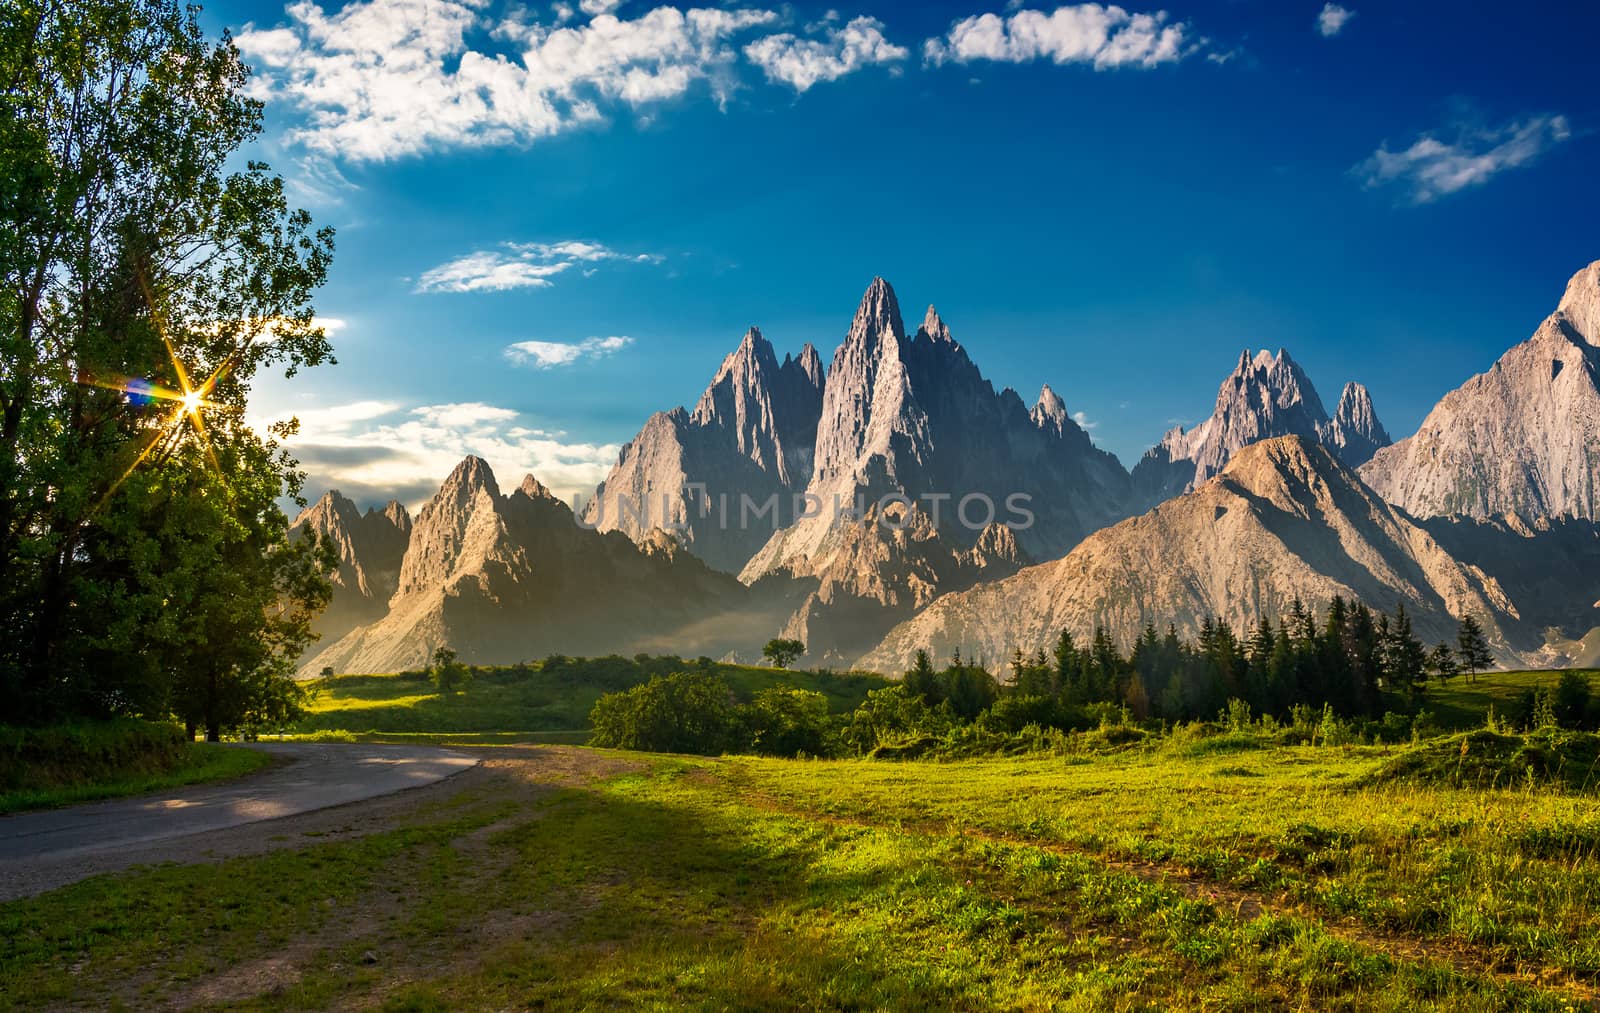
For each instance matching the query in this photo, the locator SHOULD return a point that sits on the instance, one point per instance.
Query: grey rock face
(1284, 519)
(370, 547)
(1263, 398)
(913, 417)
(1354, 432)
(1522, 438)
(505, 578)
(749, 436)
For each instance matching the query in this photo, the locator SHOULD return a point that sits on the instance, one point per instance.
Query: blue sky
(553, 221)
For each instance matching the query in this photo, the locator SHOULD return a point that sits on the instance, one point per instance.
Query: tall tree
(1472, 647)
(138, 277)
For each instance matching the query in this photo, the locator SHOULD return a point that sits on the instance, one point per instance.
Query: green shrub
(686, 712)
(789, 722)
(64, 755)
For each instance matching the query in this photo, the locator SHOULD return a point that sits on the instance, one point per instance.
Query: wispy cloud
(520, 265)
(1082, 419)
(381, 79)
(1332, 19)
(1432, 168)
(550, 354)
(1102, 36)
(372, 450)
(801, 63)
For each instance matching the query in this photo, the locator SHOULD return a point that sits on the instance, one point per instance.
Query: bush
(686, 712)
(60, 756)
(1014, 713)
(892, 715)
(789, 722)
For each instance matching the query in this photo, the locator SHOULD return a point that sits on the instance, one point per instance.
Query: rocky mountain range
(1264, 397)
(884, 470)
(1523, 438)
(371, 546)
(1285, 519)
(502, 578)
(910, 429)
(750, 437)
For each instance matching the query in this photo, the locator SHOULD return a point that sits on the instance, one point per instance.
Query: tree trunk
(189, 729)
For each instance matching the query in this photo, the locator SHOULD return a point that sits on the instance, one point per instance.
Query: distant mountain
(1264, 397)
(370, 547)
(912, 420)
(751, 434)
(1284, 519)
(1523, 438)
(502, 578)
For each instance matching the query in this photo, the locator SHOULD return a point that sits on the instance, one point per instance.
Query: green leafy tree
(1572, 699)
(789, 722)
(1472, 647)
(686, 712)
(448, 675)
(140, 267)
(781, 652)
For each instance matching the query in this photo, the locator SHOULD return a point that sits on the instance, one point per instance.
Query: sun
(193, 401)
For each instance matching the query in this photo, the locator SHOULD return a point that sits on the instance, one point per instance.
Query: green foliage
(686, 712)
(141, 262)
(1547, 757)
(1472, 647)
(789, 722)
(58, 764)
(781, 652)
(448, 675)
(553, 695)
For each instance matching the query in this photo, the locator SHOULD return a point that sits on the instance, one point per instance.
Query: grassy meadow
(552, 697)
(1212, 866)
(1215, 873)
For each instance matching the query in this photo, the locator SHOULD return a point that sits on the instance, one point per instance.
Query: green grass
(61, 764)
(1138, 880)
(538, 698)
(199, 762)
(1463, 702)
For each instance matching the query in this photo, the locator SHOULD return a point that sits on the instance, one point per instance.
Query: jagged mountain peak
(396, 513)
(471, 475)
(1580, 304)
(934, 328)
(1050, 411)
(534, 489)
(1522, 437)
(808, 362)
(1267, 395)
(878, 316)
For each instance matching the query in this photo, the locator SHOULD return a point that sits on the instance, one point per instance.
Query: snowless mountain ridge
(1502, 475)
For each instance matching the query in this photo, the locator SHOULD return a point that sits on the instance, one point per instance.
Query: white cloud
(1333, 19)
(1431, 168)
(801, 63)
(372, 450)
(1104, 36)
(549, 354)
(1082, 419)
(592, 7)
(379, 79)
(520, 265)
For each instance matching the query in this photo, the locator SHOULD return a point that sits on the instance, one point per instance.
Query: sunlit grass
(1108, 882)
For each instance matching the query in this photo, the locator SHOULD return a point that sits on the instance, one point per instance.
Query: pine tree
(1472, 647)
